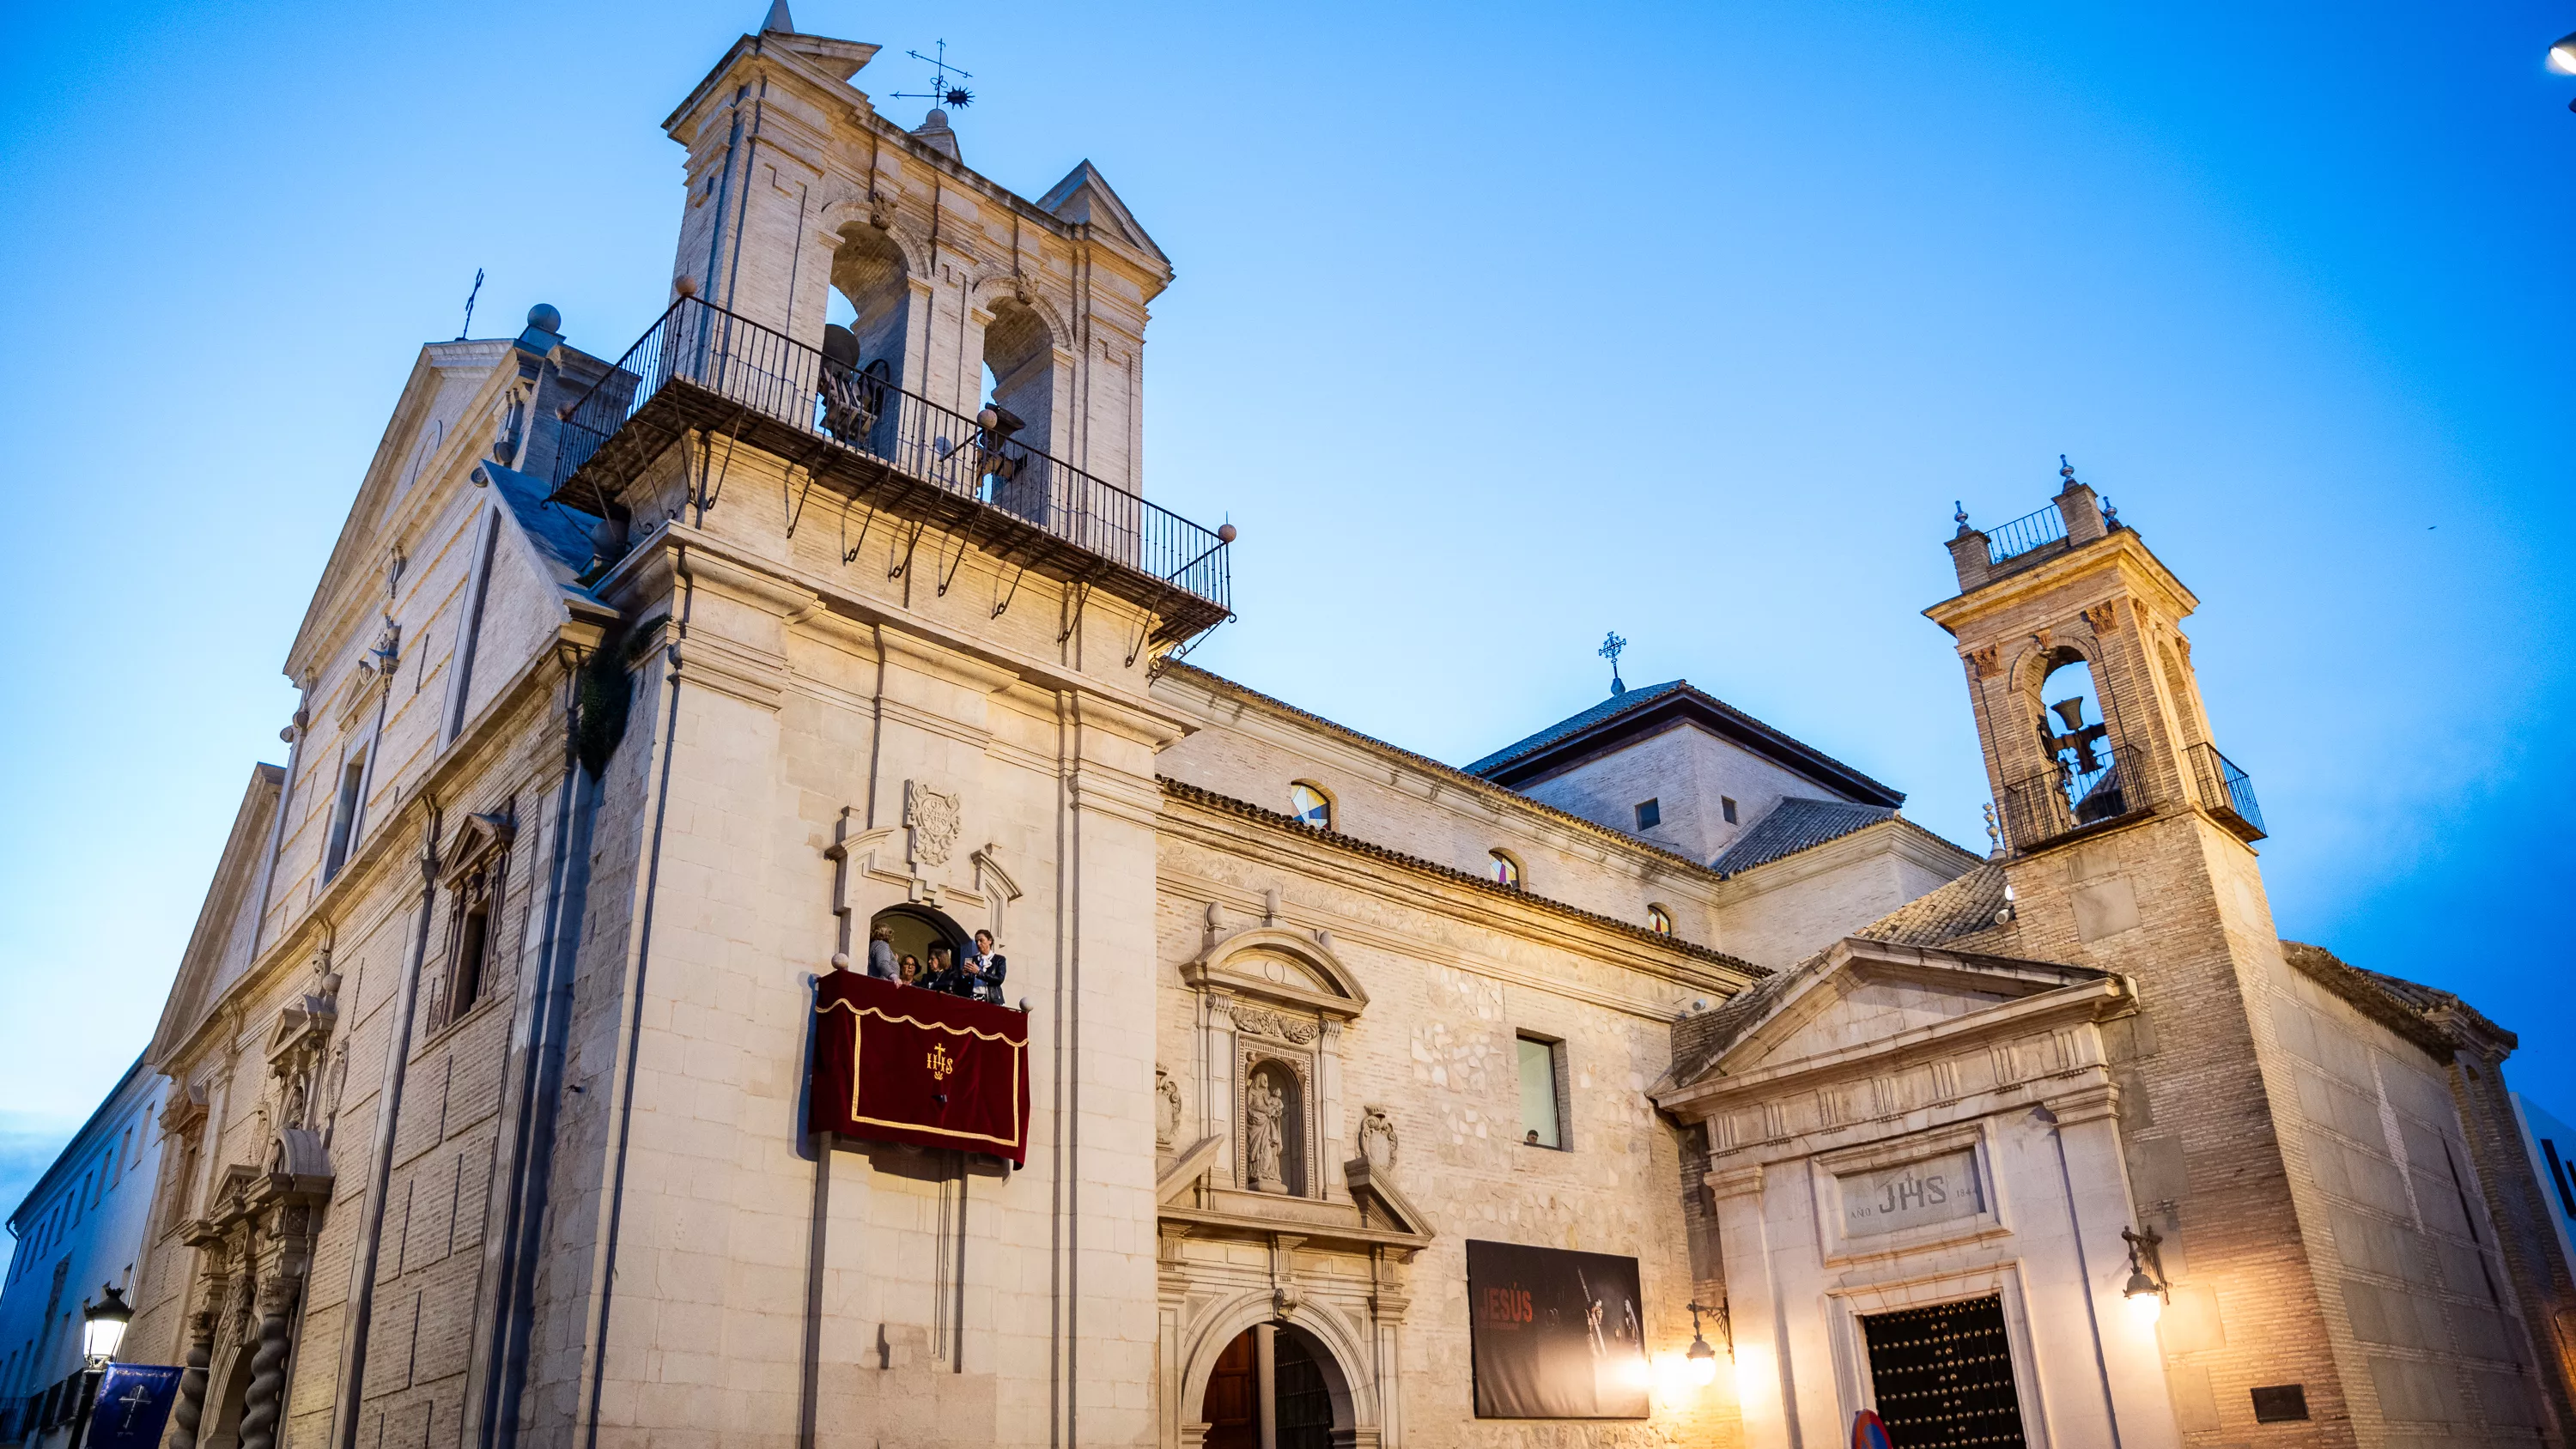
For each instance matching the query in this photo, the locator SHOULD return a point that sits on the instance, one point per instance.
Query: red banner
(895, 1063)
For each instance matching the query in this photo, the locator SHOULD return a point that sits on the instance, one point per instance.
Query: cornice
(2123, 551)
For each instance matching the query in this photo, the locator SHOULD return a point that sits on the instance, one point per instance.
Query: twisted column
(264, 1400)
(192, 1384)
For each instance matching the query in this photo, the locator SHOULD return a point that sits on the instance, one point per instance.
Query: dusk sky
(1496, 327)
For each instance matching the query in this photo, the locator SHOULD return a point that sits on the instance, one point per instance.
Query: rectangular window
(1650, 813)
(1726, 806)
(2558, 1176)
(1542, 1079)
(344, 815)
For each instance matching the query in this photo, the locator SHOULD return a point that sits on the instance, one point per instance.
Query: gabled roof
(1963, 908)
(560, 532)
(222, 917)
(2432, 1018)
(1794, 825)
(1654, 708)
(1700, 1042)
(1083, 197)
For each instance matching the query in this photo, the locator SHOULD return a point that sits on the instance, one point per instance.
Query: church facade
(1651, 1080)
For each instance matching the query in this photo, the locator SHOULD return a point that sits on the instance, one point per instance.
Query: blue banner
(133, 1403)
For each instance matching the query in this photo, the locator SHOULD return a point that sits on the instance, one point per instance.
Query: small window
(1308, 802)
(1650, 813)
(344, 817)
(1660, 919)
(1542, 1078)
(1507, 871)
(1726, 807)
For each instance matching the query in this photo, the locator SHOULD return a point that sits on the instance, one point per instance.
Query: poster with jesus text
(1556, 1334)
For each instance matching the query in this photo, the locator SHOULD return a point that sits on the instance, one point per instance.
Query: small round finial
(1960, 517)
(1225, 533)
(686, 286)
(563, 410)
(2065, 469)
(545, 318)
(937, 117)
(840, 960)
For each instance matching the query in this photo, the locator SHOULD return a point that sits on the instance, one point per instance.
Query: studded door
(1944, 1376)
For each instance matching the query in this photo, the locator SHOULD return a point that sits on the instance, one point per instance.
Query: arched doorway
(1272, 1388)
(918, 928)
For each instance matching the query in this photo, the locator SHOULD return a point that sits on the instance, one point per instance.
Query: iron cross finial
(1611, 648)
(469, 305)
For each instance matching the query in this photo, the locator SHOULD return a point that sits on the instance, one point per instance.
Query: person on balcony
(988, 967)
(881, 962)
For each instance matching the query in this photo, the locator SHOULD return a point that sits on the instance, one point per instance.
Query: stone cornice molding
(1740, 1180)
(2141, 573)
(1191, 811)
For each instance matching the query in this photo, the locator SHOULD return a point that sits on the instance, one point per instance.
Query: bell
(2071, 711)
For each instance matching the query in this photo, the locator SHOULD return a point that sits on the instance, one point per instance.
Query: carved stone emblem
(1262, 1021)
(1984, 664)
(2102, 618)
(932, 817)
(1377, 1139)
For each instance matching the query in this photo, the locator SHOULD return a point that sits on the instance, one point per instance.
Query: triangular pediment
(1084, 198)
(1859, 994)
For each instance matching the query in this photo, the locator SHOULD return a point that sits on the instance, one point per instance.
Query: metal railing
(2063, 798)
(783, 380)
(2030, 531)
(2227, 791)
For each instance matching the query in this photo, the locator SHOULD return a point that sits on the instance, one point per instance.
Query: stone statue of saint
(1263, 1143)
(1167, 1109)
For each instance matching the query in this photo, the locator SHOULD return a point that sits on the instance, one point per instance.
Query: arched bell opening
(2072, 717)
(1278, 1384)
(1017, 414)
(868, 319)
(915, 930)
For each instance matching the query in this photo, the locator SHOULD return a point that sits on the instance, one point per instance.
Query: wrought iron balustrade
(2227, 791)
(2030, 531)
(885, 443)
(2065, 798)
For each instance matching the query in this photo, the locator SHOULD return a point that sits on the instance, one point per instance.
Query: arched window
(1660, 919)
(1507, 869)
(1308, 802)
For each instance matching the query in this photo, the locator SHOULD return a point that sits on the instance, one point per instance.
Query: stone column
(265, 1399)
(192, 1383)
(1761, 1342)
(2088, 1131)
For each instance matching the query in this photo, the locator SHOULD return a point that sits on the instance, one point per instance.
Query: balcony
(2227, 792)
(857, 434)
(2066, 798)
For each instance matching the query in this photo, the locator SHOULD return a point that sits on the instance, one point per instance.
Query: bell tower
(2267, 1126)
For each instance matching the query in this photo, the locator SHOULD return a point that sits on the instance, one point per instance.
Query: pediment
(1859, 994)
(1083, 197)
(1283, 967)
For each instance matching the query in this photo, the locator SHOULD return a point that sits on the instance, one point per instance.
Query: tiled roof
(562, 533)
(1963, 908)
(2423, 1014)
(1213, 680)
(1794, 825)
(1246, 810)
(1575, 724)
(1526, 759)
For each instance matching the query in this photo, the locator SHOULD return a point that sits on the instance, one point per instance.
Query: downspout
(604, 1259)
(380, 1155)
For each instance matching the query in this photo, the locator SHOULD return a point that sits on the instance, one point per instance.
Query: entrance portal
(1943, 1375)
(1269, 1391)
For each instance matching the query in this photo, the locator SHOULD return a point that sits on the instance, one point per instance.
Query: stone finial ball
(686, 286)
(545, 318)
(840, 960)
(1225, 533)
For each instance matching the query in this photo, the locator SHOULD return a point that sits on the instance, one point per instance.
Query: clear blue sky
(1497, 326)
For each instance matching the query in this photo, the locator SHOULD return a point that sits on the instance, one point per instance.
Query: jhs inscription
(1933, 1190)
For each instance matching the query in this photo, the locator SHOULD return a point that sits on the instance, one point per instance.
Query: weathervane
(1610, 649)
(940, 92)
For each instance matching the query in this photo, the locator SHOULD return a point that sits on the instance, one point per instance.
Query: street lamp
(103, 1325)
(102, 1330)
(2562, 55)
(2145, 1290)
(1702, 1358)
